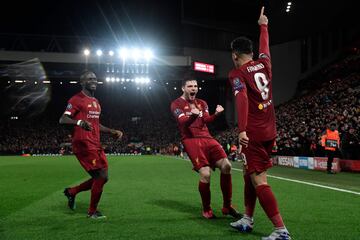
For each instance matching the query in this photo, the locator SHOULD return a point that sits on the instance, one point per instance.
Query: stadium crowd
(332, 95)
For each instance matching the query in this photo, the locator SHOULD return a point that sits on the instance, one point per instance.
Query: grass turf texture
(156, 197)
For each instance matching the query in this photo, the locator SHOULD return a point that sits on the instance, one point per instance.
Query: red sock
(268, 203)
(249, 196)
(82, 187)
(204, 189)
(96, 191)
(226, 188)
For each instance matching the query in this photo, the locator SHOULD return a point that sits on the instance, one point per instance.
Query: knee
(258, 180)
(205, 177)
(226, 167)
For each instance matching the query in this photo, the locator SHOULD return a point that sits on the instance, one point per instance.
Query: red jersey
(252, 88)
(83, 107)
(192, 126)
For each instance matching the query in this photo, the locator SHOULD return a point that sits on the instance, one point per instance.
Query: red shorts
(258, 156)
(203, 152)
(92, 159)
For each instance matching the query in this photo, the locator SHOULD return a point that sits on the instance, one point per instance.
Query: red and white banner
(350, 165)
(204, 67)
(320, 163)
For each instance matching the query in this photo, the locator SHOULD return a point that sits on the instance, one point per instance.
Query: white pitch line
(297, 181)
(308, 183)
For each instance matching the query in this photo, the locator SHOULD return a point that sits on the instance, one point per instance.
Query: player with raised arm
(251, 82)
(83, 112)
(204, 151)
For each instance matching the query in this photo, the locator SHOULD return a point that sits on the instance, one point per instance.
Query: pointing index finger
(262, 11)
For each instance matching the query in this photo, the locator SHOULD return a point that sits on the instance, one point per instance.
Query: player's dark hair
(242, 45)
(188, 76)
(84, 74)
(332, 124)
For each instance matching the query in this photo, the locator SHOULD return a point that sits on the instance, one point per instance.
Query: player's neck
(242, 61)
(88, 93)
(186, 99)
(245, 61)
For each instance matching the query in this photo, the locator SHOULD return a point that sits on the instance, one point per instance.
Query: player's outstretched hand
(263, 19)
(117, 134)
(243, 139)
(86, 125)
(219, 109)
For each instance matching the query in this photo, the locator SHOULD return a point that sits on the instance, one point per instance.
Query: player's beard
(91, 87)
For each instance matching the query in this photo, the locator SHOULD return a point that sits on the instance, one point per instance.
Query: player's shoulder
(77, 97)
(235, 72)
(177, 102)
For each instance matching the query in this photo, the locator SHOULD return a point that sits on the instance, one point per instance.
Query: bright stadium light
(123, 53)
(147, 80)
(148, 55)
(111, 53)
(287, 10)
(107, 79)
(113, 79)
(135, 54)
(289, 3)
(86, 52)
(117, 79)
(99, 52)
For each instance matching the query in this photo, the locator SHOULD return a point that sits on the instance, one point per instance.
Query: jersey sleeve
(180, 116)
(264, 49)
(72, 107)
(241, 100)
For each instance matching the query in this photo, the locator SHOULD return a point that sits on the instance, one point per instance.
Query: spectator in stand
(350, 143)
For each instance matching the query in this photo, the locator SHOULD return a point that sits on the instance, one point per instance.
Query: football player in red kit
(251, 81)
(83, 112)
(204, 151)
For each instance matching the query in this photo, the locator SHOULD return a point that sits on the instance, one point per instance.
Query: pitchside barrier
(317, 163)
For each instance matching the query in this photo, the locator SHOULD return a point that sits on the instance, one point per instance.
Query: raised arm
(264, 35)
(210, 118)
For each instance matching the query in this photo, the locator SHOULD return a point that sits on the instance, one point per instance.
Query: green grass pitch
(156, 197)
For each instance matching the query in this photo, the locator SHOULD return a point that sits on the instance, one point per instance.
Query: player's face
(90, 82)
(190, 90)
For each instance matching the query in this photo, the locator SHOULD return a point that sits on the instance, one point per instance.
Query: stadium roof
(160, 22)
